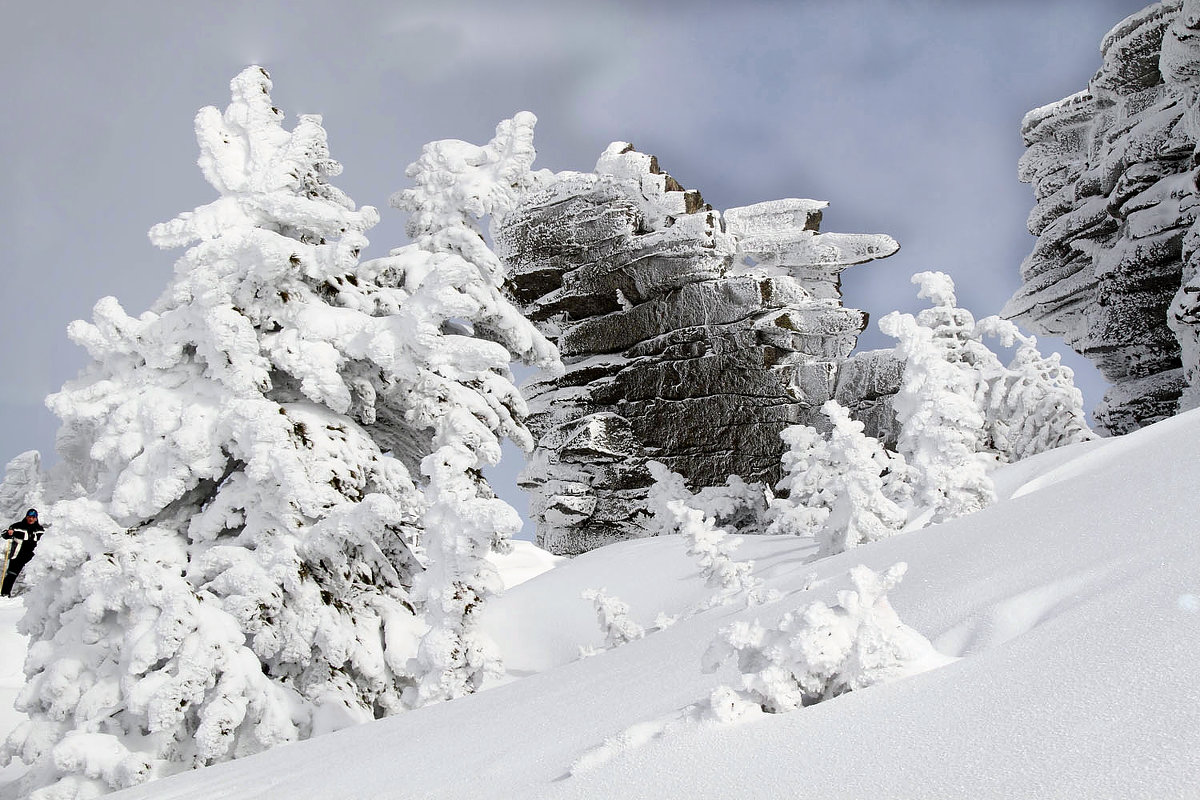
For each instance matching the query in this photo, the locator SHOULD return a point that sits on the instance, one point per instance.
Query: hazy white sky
(904, 115)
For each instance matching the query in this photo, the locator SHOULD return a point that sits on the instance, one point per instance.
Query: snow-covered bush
(842, 488)
(820, 651)
(613, 615)
(736, 505)
(462, 334)
(676, 510)
(1033, 405)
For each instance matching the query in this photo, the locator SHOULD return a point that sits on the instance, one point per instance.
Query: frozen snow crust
(1072, 603)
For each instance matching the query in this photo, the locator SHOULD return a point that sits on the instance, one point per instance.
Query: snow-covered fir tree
(862, 511)
(940, 403)
(464, 332)
(238, 571)
(843, 488)
(961, 410)
(808, 473)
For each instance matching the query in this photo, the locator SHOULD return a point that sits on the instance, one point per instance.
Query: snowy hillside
(1073, 604)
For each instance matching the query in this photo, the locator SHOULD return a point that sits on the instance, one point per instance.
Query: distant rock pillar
(1114, 171)
(688, 337)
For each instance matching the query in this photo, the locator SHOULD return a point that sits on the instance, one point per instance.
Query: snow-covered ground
(12, 655)
(1074, 603)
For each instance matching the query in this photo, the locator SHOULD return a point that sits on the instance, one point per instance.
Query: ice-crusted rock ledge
(1114, 173)
(689, 336)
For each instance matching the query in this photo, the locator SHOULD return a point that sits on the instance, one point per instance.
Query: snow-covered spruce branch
(672, 511)
(613, 615)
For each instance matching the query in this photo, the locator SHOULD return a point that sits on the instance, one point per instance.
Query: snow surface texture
(1072, 605)
(1114, 269)
(243, 553)
(678, 326)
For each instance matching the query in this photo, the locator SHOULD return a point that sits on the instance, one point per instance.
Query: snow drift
(1071, 604)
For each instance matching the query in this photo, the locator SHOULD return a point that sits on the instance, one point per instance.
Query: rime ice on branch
(689, 336)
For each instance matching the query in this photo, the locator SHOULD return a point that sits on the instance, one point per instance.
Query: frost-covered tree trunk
(237, 574)
(465, 334)
(22, 486)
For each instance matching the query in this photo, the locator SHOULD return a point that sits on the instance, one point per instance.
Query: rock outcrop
(689, 337)
(1114, 172)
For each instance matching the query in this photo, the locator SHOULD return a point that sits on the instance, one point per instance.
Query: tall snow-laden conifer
(237, 574)
(464, 335)
(939, 405)
(961, 410)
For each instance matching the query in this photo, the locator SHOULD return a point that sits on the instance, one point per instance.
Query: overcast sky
(904, 115)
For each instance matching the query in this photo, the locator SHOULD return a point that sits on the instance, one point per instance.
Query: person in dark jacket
(21, 539)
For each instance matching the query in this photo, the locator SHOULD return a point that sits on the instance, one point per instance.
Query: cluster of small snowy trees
(270, 520)
(961, 412)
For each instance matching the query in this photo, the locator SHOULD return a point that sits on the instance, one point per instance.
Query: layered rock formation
(689, 336)
(1114, 172)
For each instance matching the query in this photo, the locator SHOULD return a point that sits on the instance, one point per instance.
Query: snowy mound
(1071, 604)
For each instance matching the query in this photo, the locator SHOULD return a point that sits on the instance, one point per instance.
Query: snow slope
(12, 656)
(1072, 601)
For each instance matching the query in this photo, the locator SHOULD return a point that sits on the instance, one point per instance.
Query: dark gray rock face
(689, 337)
(866, 384)
(1113, 170)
